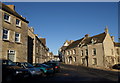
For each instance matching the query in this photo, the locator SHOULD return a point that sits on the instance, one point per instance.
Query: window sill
(94, 64)
(7, 21)
(6, 40)
(93, 55)
(18, 26)
(18, 42)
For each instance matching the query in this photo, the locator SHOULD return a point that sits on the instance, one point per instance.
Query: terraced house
(13, 34)
(96, 51)
(38, 52)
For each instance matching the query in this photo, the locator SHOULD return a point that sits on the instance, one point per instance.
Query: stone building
(13, 34)
(37, 49)
(96, 51)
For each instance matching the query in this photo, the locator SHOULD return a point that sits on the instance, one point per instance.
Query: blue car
(45, 69)
(32, 70)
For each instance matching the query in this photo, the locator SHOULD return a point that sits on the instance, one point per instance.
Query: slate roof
(116, 44)
(63, 48)
(87, 40)
(9, 10)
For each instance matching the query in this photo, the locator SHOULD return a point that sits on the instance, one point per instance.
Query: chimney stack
(106, 29)
(11, 7)
(112, 38)
(32, 29)
(36, 35)
(87, 35)
(71, 41)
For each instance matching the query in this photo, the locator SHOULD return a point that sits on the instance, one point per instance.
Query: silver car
(33, 71)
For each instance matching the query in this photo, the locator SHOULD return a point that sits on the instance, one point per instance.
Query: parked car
(11, 72)
(44, 68)
(33, 71)
(55, 65)
(116, 66)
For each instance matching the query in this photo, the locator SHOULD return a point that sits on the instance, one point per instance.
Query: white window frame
(66, 52)
(82, 53)
(7, 20)
(6, 34)
(74, 51)
(83, 61)
(74, 59)
(19, 25)
(86, 52)
(17, 37)
(94, 61)
(12, 52)
(94, 53)
(70, 52)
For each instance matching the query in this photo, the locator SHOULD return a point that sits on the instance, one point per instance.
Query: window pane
(17, 21)
(5, 31)
(6, 16)
(17, 37)
(5, 36)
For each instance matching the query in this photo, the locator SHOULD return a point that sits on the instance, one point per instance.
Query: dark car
(55, 65)
(33, 71)
(46, 70)
(11, 72)
(116, 66)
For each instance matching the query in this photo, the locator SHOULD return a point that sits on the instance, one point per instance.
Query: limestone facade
(96, 51)
(13, 33)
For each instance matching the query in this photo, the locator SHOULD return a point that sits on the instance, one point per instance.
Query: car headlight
(32, 71)
(17, 72)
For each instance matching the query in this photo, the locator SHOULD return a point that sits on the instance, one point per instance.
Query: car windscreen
(28, 65)
(44, 65)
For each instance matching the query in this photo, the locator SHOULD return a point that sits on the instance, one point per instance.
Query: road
(78, 74)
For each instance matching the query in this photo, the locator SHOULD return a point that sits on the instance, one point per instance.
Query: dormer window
(80, 45)
(6, 17)
(93, 41)
(18, 23)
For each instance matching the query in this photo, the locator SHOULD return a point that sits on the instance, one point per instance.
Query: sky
(61, 21)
